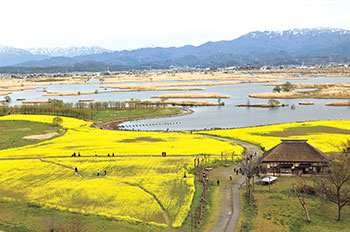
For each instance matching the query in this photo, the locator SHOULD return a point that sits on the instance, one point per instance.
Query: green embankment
(108, 115)
(12, 133)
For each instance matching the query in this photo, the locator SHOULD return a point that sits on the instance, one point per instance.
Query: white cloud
(139, 23)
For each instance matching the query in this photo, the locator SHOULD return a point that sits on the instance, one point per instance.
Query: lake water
(227, 116)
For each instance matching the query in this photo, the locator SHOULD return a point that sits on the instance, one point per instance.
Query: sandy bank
(5, 93)
(34, 101)
(176, 102)
(24, 83)
(261, 105)
(306, 103)
(13, 89)
(313, 86)
(347, 103)
(282, 95)
(66, 93)
(323, 93)
(151, 86)
(191, 95)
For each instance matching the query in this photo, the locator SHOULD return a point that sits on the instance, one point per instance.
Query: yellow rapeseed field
(328, 136)
(86, 140)
(135, 189)
(149, 189)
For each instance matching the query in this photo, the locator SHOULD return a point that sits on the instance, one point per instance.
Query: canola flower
(86, 140)
(328, 136)
(67, 121)
(135, 189)
(128, 191)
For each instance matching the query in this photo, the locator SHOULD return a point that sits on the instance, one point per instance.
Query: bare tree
(335, 187)
(250, 169)
(300, 189)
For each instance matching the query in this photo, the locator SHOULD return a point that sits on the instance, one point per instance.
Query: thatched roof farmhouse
(293, 157)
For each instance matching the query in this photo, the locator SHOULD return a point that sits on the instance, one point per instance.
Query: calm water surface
(227, 116)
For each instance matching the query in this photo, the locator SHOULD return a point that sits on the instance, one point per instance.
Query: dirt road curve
(230, 205)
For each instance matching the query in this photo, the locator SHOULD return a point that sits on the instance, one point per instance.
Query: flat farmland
(328, 136)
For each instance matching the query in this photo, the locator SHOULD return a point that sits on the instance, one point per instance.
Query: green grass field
(12, 133)
(22, 216)
(108, 115)
(14, 217)
(280, 210)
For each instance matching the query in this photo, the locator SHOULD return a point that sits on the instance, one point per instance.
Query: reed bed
(191, 95)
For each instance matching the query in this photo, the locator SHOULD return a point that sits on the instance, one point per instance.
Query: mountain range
(295, 46)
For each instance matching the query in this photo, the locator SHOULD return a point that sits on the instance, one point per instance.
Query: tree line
(83, 110)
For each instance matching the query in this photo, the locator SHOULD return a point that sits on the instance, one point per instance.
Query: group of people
(78, 154)
(98, 172)
(107, 154)
(75, 154)
(238, 170)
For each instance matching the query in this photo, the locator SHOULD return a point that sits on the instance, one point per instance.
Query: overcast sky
(131, 24)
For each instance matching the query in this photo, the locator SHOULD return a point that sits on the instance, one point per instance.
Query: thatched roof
(294, 151)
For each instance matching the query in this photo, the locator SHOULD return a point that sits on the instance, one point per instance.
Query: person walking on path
(218, 182)
(76, 170)
(230, 177)
(95, 153)
(105, 173)
(98, 172)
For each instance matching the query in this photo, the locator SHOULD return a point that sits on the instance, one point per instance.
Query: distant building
(293, 157)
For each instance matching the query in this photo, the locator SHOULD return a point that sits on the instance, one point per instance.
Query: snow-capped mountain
(10, 55)
(296, 42)
(68, 52)
(316, 46)
(320, 31)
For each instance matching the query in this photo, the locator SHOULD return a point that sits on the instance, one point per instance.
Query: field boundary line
(164, 211)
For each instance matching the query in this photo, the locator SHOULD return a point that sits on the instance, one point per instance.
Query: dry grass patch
(5, 93)
(307, 130)
(65, 93)
(347, 103)
(191, 95)
(306, 103)
(42, 136)
(141, 139)
(16, 88)
(334, 92)
(152, 86)
(34, 101)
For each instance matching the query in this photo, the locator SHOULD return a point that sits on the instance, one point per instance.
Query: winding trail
(164, 211)
(231, 205)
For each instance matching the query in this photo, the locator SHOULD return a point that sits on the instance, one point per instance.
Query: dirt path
(230, 200)
(101, 157)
